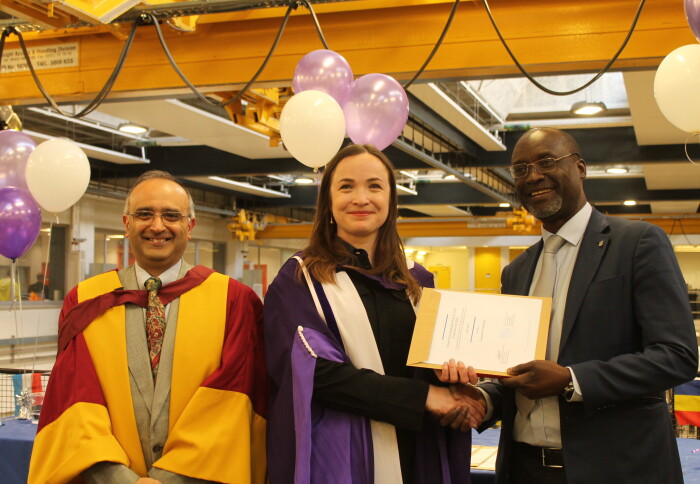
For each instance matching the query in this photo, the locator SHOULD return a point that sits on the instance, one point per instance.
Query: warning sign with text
(45, 57)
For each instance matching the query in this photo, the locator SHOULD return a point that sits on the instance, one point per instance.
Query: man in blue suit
(621, 333)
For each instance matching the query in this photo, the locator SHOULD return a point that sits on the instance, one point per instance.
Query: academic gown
(320, 406)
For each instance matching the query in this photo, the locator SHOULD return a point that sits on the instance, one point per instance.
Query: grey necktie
(545, 288)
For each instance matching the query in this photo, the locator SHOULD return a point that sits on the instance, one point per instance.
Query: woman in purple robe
(339, 318)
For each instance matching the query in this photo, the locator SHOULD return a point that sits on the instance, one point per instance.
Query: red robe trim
(218, 390)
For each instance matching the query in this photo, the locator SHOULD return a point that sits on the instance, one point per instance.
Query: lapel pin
(600, 244)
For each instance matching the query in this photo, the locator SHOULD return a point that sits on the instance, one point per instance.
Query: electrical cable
(5, 34)
(573, 91)
(292, 6)
(437, 45)
(687, 239)
(307, 4)
(103, 92)
(150, 16)
(687, 155)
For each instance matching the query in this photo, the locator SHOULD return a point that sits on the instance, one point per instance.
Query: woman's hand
(456, 372)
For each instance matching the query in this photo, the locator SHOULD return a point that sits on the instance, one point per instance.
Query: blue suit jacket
(628, 335)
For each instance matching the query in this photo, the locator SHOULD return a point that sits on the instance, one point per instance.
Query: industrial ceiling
(468, 107)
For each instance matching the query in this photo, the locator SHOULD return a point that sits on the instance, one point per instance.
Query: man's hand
(456, 407)
(472, 407)
(538, 379)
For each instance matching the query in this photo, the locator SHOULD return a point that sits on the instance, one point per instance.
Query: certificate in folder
(491, 332)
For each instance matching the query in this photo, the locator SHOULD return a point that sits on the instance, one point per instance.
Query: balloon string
(13, 281)
(687, 155)
(14, 285)
(43, 290)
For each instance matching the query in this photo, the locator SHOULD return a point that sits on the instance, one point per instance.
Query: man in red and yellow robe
(106, 419)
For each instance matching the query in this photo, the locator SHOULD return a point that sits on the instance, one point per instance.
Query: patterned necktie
(155, 323)
(545, 287)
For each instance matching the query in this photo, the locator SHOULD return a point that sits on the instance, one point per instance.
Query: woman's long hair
(325, 250)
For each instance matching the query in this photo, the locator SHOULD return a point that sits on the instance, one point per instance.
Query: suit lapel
(165, 369)
(529, 264)
(594, 243)
(137, 346)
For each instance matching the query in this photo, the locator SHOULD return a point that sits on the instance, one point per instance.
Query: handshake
(460, 405)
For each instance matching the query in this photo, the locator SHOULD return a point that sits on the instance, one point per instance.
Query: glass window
(109, 252)
(31, 267)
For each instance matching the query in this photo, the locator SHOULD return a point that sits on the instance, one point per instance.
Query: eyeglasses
(520, 170)
(147, 216)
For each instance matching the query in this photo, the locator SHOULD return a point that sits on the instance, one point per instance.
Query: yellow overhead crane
(221, 52)
(673, 224)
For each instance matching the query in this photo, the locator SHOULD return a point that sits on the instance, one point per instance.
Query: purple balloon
(692, 15)
(20, 221)
(376, 110)
(15, 148)
(325, 71)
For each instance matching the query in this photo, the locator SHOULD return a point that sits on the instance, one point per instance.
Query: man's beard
(542, 213)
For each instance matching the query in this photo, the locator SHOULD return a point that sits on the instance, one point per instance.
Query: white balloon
(676, 88)
(312, 126)
(58, 173)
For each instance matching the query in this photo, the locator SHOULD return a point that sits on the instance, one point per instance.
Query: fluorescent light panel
(82, 122)
(94, 151)
(402, 190)
(240, 186)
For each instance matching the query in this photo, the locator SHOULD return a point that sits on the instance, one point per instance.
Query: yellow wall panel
(487, 267)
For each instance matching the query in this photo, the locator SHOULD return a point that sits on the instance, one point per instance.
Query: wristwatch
(568, 391)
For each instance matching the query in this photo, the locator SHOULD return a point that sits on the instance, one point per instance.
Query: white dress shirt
(541, 426)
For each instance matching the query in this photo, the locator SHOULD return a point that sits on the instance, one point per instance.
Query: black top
(394, 397)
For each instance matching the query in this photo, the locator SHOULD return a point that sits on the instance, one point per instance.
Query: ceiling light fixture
(449, 177)
(408, 174)
(630, 203)
(304, 180)
(246, 187)
(584, 108)
(96, 152)
(132, 128)
(83, 122)
(504, 205)
(617, 170)
(402, 190)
